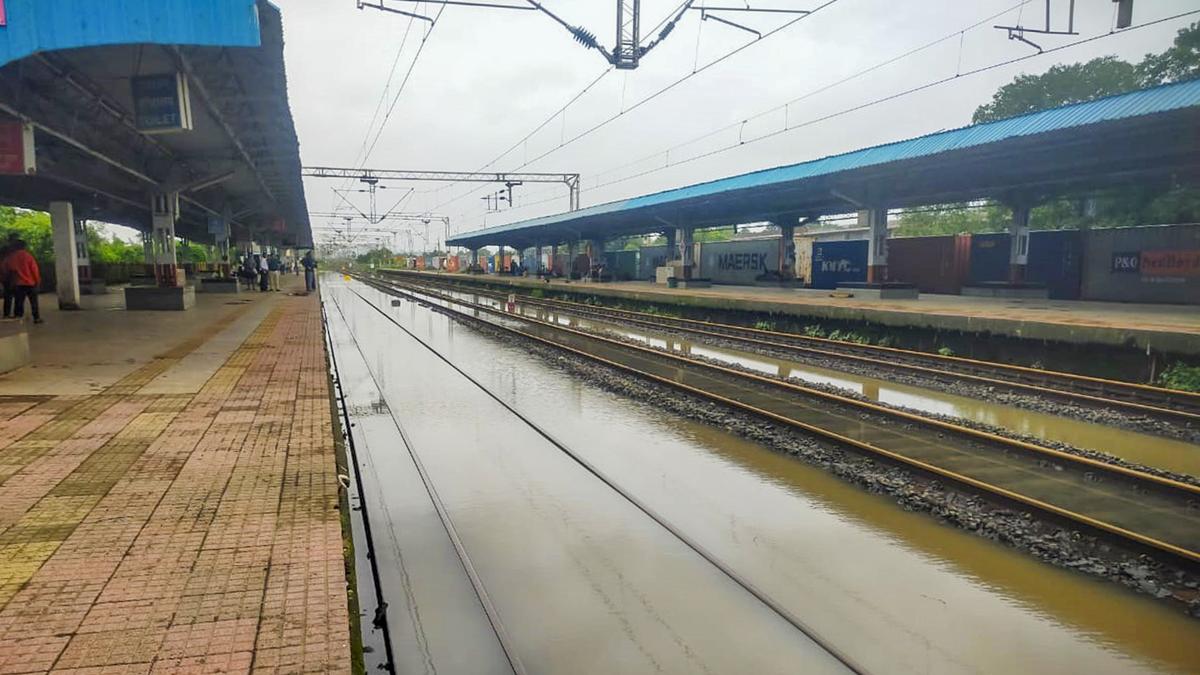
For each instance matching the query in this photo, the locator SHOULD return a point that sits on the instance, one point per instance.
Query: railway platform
(169, 493)
(1168, 328)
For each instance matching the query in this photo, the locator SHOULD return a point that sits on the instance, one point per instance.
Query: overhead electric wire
(664, 89)
(382, 97)
(403, 83)
(883, 99)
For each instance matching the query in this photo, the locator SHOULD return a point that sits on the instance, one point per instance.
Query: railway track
(506, 642)
(1151, 512)
(1139, 399)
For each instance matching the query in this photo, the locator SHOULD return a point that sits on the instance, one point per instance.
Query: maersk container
(989, 257)
(835, 262)
(738, 262)
(1056, 260)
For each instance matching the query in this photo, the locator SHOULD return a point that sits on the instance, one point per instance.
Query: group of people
(21, 278)
(265, 270)
(262, 269)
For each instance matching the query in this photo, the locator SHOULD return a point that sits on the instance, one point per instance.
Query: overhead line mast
(628, 48)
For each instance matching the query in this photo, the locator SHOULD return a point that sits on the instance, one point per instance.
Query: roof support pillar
(787, 249)
(1018, 252)
(684, 238)
(672, 249)
(877, 246)
(164, 209)
(67, 257)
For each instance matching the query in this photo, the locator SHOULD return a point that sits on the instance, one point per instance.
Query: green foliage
(1181, 376)
(537, 293)
(1126, 205)
(1180, 62)
(31, 226)
(379, 256)
(814, 331)
(764, 325)
(190, 252)
(945, 351)
(954, 219)
(1060, 85)
(715, 234)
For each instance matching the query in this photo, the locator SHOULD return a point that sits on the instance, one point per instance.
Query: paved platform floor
(1164, 327)
(168, 493)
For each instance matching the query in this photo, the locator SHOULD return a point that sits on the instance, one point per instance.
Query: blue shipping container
(989, 257)
(835, 262)
(1056, 260)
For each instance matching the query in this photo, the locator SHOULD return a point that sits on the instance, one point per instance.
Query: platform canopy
(1147, 135)
(69, 68)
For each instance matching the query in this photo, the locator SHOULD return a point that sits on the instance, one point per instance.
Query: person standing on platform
(274, 267)
(310, 272)
(264, 271)
(21, 270)
(10, 286)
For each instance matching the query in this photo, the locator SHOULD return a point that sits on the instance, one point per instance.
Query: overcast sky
(486, 78)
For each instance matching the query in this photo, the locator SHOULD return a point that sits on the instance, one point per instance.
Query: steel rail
(381, 617)
(489, 608)
(758, 336)
(1184, 489)
(642, 506)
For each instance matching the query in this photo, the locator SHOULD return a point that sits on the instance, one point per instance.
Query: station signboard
(17, 157)
(161, 103)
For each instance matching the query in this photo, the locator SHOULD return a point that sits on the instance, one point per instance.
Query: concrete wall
(1143, 264)
(739, 262)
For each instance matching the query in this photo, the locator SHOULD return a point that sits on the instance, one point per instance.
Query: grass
(1181, 376)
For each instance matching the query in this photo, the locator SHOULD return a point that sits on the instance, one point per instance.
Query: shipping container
(1056, 260)
(804, 248)
(835, 262)
(936, 264)
(738, 262)
(622, 265)
(1155, 263)
(649, 259)
(989, 257)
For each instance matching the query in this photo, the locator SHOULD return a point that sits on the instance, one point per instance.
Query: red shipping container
(936, 264)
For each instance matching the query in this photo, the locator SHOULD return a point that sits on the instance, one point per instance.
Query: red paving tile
(182, 534)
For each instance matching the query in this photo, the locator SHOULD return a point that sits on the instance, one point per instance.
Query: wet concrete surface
(896, 590)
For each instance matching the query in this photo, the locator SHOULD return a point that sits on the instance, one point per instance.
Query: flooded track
(583, 582)
(1178, 406)
(1131, 505)
(896, 590)
(1151, 450)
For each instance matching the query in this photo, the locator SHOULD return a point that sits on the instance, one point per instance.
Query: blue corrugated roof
(1122, 106)
(47, 25)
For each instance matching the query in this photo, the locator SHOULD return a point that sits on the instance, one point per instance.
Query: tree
(1104, 76)
(953, 219)
(1061, 85)
(1180, 62)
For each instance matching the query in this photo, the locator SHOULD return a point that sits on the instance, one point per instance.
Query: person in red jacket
(21, 270)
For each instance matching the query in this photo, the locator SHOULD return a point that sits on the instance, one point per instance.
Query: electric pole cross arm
(571, 180)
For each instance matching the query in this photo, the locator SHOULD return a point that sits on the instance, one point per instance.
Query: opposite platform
(1166, 328)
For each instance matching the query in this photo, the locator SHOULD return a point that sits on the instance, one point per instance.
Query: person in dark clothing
(21, 270)
(263, 271)
(310, 272)
(10, 286)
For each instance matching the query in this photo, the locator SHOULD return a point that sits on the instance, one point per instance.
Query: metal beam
(216, 114)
